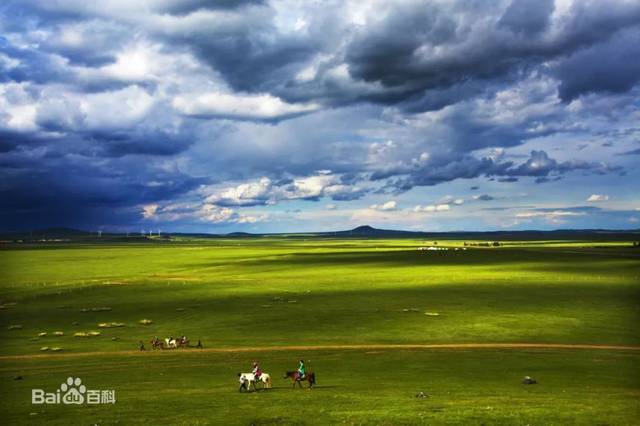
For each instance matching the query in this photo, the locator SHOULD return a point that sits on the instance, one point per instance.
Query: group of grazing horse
(247, 380)
(170, 343)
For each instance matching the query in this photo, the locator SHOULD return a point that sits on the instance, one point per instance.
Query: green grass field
(270, 292)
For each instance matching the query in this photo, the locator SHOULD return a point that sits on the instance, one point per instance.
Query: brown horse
(293, 375)
(157, 344)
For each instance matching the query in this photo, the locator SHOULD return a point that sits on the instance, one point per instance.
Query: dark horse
(293, 375)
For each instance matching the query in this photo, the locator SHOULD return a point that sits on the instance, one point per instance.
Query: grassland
(270, 292)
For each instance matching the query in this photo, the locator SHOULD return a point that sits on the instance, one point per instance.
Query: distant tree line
(483, 244)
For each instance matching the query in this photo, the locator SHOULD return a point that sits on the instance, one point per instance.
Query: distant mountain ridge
(363, 231)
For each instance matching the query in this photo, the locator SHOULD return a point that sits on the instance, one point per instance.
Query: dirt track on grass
(302, 348)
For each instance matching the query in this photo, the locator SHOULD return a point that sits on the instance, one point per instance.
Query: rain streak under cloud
(266, 116)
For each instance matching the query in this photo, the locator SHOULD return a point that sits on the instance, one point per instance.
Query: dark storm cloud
(245, 47)
(440, 47)
(187, 6)
(443, 54)
(10, 140)
(607, 67)
(538, 165)
(139, 141)
(72, 191)
(528, 17)
(433, 174)
(42, 68)
(32, 65)
(68, 10)
(350, 195)
(631, 152)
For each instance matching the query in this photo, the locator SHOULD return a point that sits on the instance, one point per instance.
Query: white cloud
(17, 106)
(432, 208)
(248, 107)
(257, 192)
(551, 213)
(598, 197)
(388, 206)
(449, 199)
(266, 191)
(149, 211)
(202, 212)
(215, 214)
(555, 216)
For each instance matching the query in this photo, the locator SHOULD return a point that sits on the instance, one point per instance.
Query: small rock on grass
(110, 324)
(86, 334)
(97, 309)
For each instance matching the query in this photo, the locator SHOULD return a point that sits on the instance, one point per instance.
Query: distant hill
(371, 232)
(240, 234)
(560, 234)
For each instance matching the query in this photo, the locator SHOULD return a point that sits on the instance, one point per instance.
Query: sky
(297, 116)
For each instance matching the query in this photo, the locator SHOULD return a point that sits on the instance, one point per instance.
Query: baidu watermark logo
(73, 392)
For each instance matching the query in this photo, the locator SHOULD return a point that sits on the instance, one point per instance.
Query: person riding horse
(256, 371)
(301, 370)
(156, 343)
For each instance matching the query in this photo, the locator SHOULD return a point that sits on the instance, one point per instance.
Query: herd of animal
(171, 343)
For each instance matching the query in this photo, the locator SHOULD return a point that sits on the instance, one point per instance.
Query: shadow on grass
(549, 259)
(578, 313)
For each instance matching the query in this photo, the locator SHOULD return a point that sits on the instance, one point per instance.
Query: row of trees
(483, 244)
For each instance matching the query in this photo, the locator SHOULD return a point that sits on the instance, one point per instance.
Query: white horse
(247, 379)
(171, 343)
